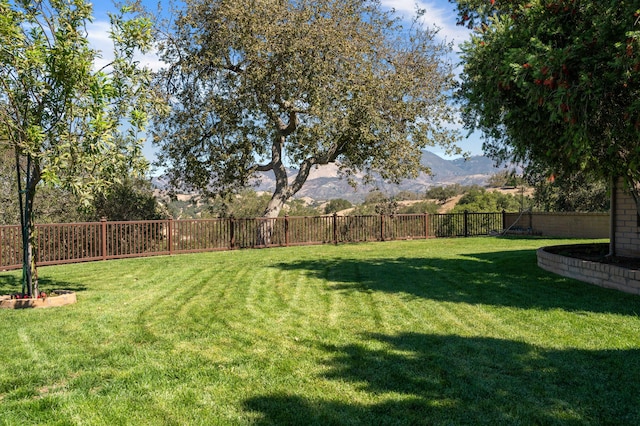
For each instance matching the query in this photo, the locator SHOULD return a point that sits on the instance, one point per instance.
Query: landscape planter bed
(588, 263)
(57, 298)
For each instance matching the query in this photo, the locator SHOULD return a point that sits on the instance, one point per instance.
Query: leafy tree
(62, 118)
(254, 85)
(54, 205)
(376, 197)
(247, 203)
(418, 208)
(575, 193)
(443, 193)
(129, 199)
(481, 200)
(298, 207)
(505, 178)
(337, 205)
(556, 84)
(407, 196)
(9, 214)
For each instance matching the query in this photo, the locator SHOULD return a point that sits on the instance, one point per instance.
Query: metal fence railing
(80, 242)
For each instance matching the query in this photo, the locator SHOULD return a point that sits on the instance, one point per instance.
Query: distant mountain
(324, 182)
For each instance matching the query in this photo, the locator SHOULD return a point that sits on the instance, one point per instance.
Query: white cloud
(443, 18)
(98, 35)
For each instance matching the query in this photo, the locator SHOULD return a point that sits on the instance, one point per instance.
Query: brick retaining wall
(600, 274)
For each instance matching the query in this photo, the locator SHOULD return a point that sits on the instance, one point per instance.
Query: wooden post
(466, 223)
(426, 226)
(286, 230)
(170, 235)
(232, 237)
(103, 237)
(335, 228)
(382, 227)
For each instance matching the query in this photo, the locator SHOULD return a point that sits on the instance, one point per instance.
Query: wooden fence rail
(80, 242)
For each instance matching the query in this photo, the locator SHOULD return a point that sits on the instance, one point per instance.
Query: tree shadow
(509, 278)
(436, 379)
(12, 283)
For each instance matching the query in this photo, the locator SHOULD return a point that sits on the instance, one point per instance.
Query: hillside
(324, 182)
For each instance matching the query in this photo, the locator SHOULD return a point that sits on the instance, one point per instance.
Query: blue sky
(439, 13)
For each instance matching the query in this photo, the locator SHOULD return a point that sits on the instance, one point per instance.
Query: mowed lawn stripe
(465, 331)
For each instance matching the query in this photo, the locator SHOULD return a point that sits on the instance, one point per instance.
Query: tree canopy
(68, 124)
(256, 86)
(555, 84)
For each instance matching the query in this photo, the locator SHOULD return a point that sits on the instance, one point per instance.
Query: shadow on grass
(434, 379)
(509, 278)
(10, 284)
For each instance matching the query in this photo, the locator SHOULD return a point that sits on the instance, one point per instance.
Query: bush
(337, 205)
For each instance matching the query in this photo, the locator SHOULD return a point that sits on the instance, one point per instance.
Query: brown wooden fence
(81, 242)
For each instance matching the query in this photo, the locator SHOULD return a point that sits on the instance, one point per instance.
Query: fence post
(232, 237)
(170, 235)
(381, 226)
(426, 226)
(286, 230)
(103, 237)
(335, 228)
(466, 223)
(504, 219)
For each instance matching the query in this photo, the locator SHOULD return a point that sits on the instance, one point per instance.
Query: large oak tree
(259, 85)
(556, 84)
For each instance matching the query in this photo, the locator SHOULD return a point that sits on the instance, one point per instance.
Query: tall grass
(450, 331)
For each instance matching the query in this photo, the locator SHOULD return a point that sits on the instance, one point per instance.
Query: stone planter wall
(57, 298)
(601, 274)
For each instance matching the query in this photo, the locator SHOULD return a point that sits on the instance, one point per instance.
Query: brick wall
(627, 231)
(601, 274)
(568, 225)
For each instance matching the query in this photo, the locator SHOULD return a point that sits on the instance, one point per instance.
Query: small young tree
(68, 124)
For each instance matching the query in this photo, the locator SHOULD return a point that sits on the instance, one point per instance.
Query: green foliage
(9, 213)
(481, 200)
(130, 199)
(407, 196)
(298, 207)
(61, 118)
(376, 197)
(376, 202)
(254, 85)
(337, 205)
(575, 193)
(418, 208)
(443, 193)
(363, 209)
(555, 83)
(505, 178)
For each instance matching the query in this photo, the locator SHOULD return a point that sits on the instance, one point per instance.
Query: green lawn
(447, 331)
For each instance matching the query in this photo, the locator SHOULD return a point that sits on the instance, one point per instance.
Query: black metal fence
(80, 242)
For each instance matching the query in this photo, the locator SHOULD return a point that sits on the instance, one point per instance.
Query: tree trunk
(26, 196)
(269, 218)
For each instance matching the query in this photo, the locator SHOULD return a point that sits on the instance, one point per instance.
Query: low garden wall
(601, 274)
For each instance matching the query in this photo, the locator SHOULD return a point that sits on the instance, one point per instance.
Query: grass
(448, 331)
